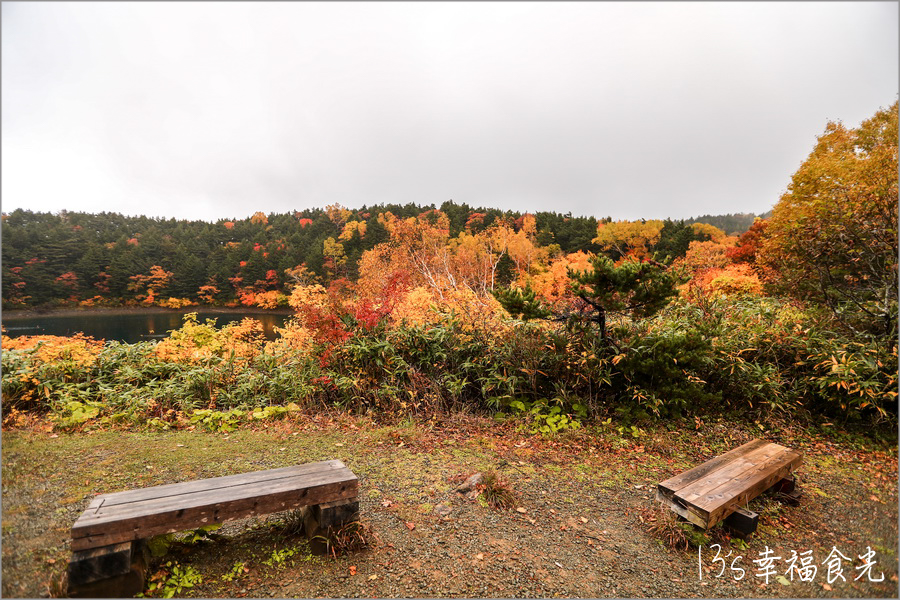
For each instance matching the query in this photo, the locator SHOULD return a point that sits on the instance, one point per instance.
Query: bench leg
(743, 522)
(786, 491)
(785, 486)
(115, 571)
(322, 519)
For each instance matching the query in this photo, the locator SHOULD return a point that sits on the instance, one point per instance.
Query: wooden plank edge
(749, 479)
(198, 485)
(682, 511)
(85, 538)
(163, 505)
(695, 492)
(745, 497)
(676, 482)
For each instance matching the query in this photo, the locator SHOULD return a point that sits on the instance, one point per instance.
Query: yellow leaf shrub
(552, 283)
(176, 303)
(293, 338)
(79, 348)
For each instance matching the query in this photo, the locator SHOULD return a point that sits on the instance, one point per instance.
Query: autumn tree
(552, 283)
(147, 287)
(748, 244)
(68, 282)
(632, 238)
(832, 237)
(335, 258)
(707, 231)
(476, 258)
(521, 246)
(422, 243)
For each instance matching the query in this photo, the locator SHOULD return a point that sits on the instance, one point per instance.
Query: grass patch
(497, 492)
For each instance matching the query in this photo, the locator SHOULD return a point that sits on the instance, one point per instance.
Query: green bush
(756, 354)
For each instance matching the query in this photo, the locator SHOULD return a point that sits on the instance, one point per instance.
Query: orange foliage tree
(748, 244)
(552, 283)
(632, 238)
(147, 287)
(832, 237)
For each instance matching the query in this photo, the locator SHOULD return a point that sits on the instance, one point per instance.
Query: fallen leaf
(826, 587)
(584, 520)
(386, 503)
(373, 577)
(782, 580)
(338, 444)
(51, 561)
(410, 526)
(352, 570)
(479, 556)
(521, 510)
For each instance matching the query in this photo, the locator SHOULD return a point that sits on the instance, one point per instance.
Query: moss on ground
(575, 489)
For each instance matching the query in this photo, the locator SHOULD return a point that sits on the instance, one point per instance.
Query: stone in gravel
(469, 484)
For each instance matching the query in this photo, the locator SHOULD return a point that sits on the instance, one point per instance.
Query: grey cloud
(208, 110)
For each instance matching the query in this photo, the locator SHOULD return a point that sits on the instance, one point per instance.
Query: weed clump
(673, 533)
(348, 538)
(496, 491)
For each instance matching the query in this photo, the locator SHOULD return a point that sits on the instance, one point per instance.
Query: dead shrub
(349, 537)
(497, 492)
(664, 525)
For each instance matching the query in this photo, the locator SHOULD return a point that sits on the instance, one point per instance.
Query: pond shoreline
(12, 315)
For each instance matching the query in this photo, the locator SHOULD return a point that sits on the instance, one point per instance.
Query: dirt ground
(580, 526)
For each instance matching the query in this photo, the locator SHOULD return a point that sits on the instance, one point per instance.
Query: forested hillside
(75, 258)
(408, 310)
(732, 223)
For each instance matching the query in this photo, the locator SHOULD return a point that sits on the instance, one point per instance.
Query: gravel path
(576, 530)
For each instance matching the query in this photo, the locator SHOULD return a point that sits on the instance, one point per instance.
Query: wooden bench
(104, 536)
(714, 490)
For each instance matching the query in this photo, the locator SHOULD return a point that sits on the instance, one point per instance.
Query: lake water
(130, 326)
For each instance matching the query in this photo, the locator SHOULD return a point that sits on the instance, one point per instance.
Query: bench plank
(712, 497)
(175, 507)
(673, 484)
(736, 468)
(214, 483)
(176, 503)
(752, 489)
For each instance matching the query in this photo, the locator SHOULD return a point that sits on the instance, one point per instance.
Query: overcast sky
(630, 110)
